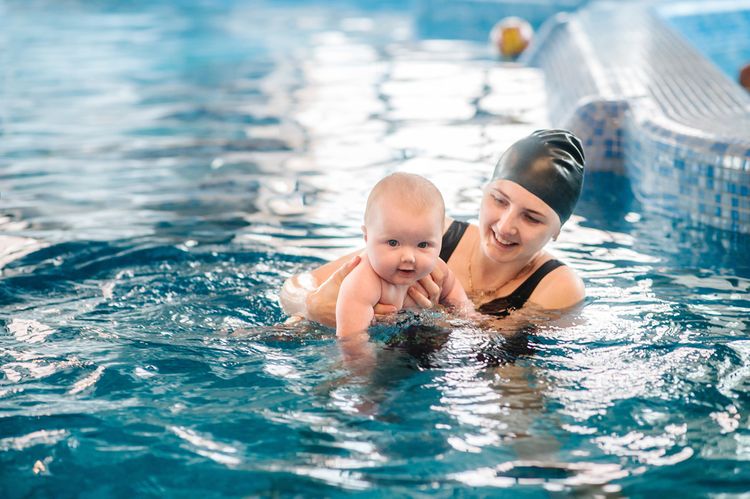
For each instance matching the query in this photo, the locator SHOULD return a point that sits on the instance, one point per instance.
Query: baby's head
(404, 227)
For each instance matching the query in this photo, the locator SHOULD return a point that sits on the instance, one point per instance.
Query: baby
(403, 234)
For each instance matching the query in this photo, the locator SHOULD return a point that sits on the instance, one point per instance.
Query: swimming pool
(698, 22)
(165, 167)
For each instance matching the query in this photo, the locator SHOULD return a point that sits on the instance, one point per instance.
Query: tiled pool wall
(682, 137)
(677, 175)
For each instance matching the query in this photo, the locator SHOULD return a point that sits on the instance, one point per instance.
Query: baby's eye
(392, 243)
(423, 244)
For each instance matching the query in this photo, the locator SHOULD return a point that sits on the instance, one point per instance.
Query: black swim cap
(549, 164)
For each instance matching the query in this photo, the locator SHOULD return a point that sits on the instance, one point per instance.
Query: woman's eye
(533, 220)
(500, 200)
(393, 243)
(422, 245)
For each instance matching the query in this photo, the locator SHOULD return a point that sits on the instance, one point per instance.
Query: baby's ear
(364, 232)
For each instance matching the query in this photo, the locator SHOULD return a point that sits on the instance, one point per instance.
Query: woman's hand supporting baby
(321, 302)
(426, 292)
(302, 298)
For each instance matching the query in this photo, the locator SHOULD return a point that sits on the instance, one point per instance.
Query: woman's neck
(487, 277)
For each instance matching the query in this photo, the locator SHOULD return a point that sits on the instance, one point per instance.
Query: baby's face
(403, 245)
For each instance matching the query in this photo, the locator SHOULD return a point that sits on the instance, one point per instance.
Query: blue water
(163, 169)
(699, 23)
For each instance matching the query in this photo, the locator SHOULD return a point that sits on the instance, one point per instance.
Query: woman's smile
(501, 241)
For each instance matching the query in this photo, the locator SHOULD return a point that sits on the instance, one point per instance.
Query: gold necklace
(481, 293)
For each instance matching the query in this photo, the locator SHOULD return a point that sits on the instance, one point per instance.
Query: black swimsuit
(423, 341)
(499, 307)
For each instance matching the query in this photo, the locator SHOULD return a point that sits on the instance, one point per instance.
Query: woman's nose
(506, 224)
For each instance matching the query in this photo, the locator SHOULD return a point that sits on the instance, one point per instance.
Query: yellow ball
(510, 36)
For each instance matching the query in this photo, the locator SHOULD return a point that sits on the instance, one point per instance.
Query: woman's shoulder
(561, 288)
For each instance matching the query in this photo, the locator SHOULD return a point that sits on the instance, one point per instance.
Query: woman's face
(514, 224)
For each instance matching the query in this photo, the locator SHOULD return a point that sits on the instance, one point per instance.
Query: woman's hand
(426, 292)
(382, 310)
(321, 302)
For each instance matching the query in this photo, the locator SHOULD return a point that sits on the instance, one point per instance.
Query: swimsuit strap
(503, 305)
(451, 238)
(529, 285)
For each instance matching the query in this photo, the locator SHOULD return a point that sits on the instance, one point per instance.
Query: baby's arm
(453, 293)
(359, 293)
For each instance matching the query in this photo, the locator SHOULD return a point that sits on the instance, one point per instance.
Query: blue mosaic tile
(719, 147)
(639, 128)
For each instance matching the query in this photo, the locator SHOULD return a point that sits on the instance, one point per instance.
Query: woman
(501, 263)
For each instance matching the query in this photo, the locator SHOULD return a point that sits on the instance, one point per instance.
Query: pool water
(699, 22)
(164, 167)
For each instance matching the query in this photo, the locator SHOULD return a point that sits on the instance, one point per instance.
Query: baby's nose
(407, 255)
